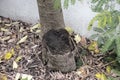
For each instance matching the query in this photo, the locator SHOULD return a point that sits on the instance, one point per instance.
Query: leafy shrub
(108, 31)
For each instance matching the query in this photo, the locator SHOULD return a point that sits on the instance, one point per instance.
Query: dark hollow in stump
(58, 52)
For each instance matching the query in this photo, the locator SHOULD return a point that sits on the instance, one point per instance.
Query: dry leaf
(23, 76)
(17, 76)
(97, 51)
(98, 75)
(35, 26)
(9, 54)
(11, 40)
(8, 25)
(3, 77)
(18, 58)
(15, 65)
(12, 51)
(82, 71)
(26, 76)
(108, 69)
(15, 23)
(69, 29)
(17, 47)
(3, 29)
(83, 41)
(101, 76)
(22, 39)
(93, 47)
(5, 38)
(38, 31)
(77, 38)
(21, 29)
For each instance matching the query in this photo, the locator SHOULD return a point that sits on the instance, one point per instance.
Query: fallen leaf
(98, 75)
(5, 38)
(22, 39)
(12, 51)
(83, 41)
(38, 31)
(9, 54)
(35, 26)
(17, 47)
(69, 29)
(21, 29)
(15, 23)
(101, 76)
(26, 77)
(15, 65)
(11, 40)
(3, 29)
(22, 76)
(93, 46)
(77, 38)
(97, 51)
(82, 71)
(8, 25)
(17, 76)
(18, 58)
(3, 77)
(108, 69)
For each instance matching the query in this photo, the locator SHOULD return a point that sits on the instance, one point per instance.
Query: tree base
(58, 51)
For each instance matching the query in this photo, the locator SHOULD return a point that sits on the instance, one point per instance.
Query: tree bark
(57, 51)
(50, 17)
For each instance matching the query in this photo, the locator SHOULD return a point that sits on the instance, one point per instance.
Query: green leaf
(57, 4)
(73, 2)
(98, 6)
(100, 40)
(79, 62)
(111, 78)
(118, 47)
(100, 30)
(118, 1)
(93, 36)
(92, 21)
(66, 3)
(107, 44)
(94, 1)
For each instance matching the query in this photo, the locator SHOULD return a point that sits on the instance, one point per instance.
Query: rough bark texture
(60, 51)
(57, 49)
(50, 17)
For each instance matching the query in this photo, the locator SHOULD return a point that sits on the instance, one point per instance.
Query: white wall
(76, 16)
(26, 10)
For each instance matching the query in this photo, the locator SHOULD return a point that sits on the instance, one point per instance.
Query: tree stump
(58, 51)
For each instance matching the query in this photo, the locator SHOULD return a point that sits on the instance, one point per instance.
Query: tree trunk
(58, 51)
(50, 17)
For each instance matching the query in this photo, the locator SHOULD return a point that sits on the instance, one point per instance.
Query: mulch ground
(29, 50)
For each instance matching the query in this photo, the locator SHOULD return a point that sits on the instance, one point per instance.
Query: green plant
(65, 4)
(108, 27)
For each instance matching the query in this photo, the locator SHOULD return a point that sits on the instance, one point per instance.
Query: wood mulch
(12, 31)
